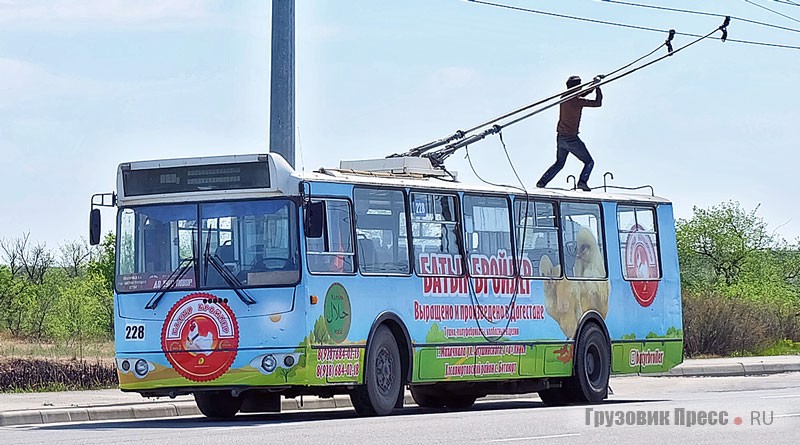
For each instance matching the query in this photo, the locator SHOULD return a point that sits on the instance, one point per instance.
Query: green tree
(730, 250)
(14, 307)
(100, 278)
(102, 264)
(43, 304)
(29, 294)
(78, 310)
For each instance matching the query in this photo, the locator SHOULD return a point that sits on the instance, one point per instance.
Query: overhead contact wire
(703, 13)
(624, 25)
(773, 11)
(439, 156)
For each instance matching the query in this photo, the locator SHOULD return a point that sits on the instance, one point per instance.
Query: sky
(88, 84)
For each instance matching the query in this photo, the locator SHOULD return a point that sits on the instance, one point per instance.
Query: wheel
(592, 366)
(382, 379)
(217, 404)
(428, 397)
(459, 401)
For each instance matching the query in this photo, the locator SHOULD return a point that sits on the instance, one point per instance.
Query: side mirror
(315, 219)
(94, 227)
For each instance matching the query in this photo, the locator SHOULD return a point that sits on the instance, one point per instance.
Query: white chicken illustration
(588, 258)
(199, 344)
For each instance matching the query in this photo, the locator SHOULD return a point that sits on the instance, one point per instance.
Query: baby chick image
(567, 300)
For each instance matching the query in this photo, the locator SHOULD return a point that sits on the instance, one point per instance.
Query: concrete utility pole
(281, 125)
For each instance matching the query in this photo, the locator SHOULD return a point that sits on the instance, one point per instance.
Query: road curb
(739, 369)
(155, 410)
(165, 409)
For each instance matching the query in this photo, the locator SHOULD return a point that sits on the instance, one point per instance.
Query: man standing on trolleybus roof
(567, 140)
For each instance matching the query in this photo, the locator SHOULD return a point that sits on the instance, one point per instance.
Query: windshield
(255, 240)
(153, 242)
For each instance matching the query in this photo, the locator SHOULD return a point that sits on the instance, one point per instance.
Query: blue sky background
(86, 85)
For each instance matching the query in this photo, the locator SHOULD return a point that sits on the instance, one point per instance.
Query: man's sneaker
(540, 185)
(583, 186)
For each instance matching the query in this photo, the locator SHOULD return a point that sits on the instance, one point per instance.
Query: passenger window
(583, 242)
(382, 238)
(488, 236)
(435, 234)
(332, 251)
(537, 239)
(638, 241)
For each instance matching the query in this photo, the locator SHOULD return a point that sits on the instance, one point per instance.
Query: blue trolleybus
(241, 281)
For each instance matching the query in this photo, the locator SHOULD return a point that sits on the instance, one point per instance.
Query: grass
(783, 347)
(92, 350)
(49, 387)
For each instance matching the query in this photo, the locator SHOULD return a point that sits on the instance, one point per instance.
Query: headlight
(141, 367)
(125, 365)
(288, 361)
(269, 363)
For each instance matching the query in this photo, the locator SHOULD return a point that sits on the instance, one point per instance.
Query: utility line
(773, 11)
(460, 134)
(438, 157)
(711, 14)
(787, 2)
(623, 25)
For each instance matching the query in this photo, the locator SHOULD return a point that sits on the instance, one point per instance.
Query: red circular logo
(200, 337)
(641, 263)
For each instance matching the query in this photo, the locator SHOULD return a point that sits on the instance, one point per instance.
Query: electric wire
(517, 277)
(613, 79)
(772, 11)
(437, 157)
(460, 134)
(623, 25)
(703, 13)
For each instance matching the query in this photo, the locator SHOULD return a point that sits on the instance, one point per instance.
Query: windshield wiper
(171, 281)
(226, 274)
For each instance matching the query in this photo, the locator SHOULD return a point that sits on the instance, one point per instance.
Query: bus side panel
(461, 332)
(447, 343)
(644, 317)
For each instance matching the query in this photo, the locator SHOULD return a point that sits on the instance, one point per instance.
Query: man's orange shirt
(570, 118)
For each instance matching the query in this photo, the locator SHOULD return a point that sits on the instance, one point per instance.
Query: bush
(715, 324)
(47, 375)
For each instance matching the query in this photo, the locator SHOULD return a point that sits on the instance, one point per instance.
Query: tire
(217, 404)
(589, 383)
(427, 397)
(383, 380)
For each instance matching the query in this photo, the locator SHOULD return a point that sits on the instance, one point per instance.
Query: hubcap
(384, 370)
(594, 371)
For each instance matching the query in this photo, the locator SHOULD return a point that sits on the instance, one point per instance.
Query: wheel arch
(400, 332)
(596, 318)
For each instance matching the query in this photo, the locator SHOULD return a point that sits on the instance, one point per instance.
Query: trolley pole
(281, 126)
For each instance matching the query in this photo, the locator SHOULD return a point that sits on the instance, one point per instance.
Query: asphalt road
(731, 403)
